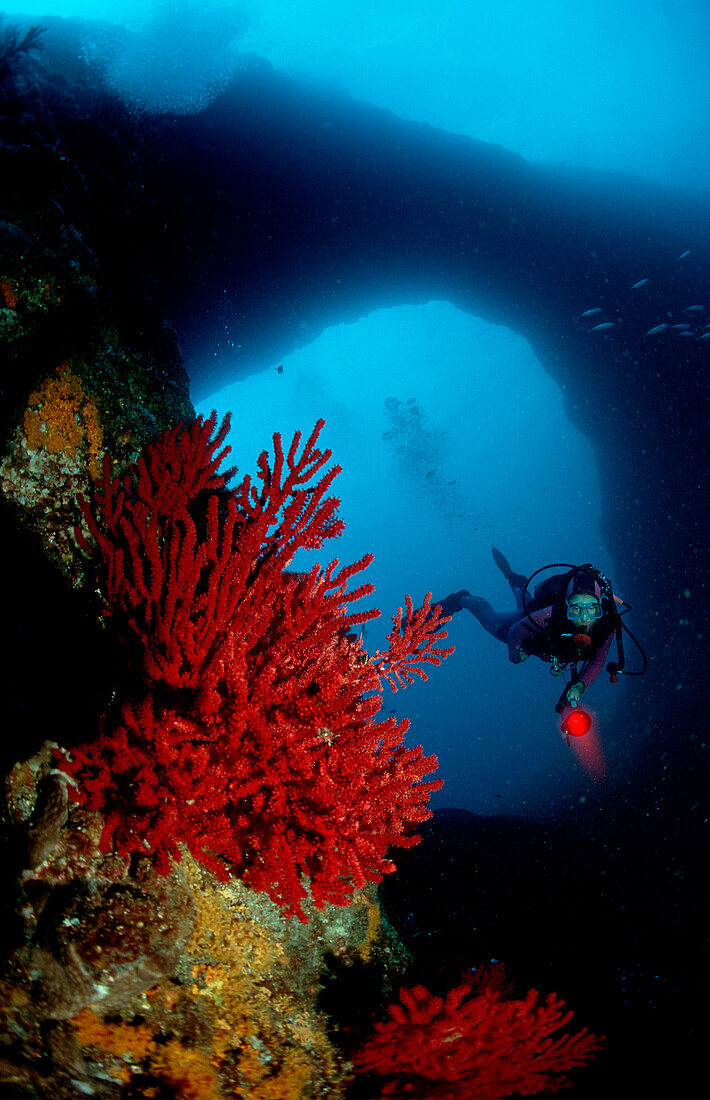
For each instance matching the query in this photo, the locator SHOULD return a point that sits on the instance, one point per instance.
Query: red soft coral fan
(474, 1043)
(252, 740)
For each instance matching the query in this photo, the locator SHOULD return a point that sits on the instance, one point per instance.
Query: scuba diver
(570, 620)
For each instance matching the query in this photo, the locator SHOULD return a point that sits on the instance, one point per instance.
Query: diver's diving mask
(576, 611)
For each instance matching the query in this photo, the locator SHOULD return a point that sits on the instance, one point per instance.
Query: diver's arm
(523, 629)
(597, 664)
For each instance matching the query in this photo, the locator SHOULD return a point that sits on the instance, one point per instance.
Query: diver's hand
(574, 693)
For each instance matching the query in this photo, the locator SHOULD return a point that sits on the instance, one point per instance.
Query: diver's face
(583, 610)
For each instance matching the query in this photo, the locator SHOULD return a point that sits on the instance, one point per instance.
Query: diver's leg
(497, 623)
(518, 590)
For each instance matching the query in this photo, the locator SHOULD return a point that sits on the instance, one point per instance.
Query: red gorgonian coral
(474, 1042)
(247, 731)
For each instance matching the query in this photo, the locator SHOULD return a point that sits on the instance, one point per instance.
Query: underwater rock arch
(289, 209)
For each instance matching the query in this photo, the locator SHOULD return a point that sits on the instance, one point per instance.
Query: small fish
(591, 312)
(655, 329)
(683, 325)
(693, 309)
(686, 332)
(604, 325)
(280, 369)
(683, 255)
(641, 282)
(705, 336)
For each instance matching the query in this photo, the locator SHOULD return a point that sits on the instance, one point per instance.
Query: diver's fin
(502, 563)
(515, 580)
(451, 603)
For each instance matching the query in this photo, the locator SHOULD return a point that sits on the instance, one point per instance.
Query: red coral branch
(474, 1042)
(165, 587)
(412, 644)
(262, 757)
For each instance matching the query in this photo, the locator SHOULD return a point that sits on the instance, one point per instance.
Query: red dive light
(577, 723)
(582, 639)
(580, 731)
